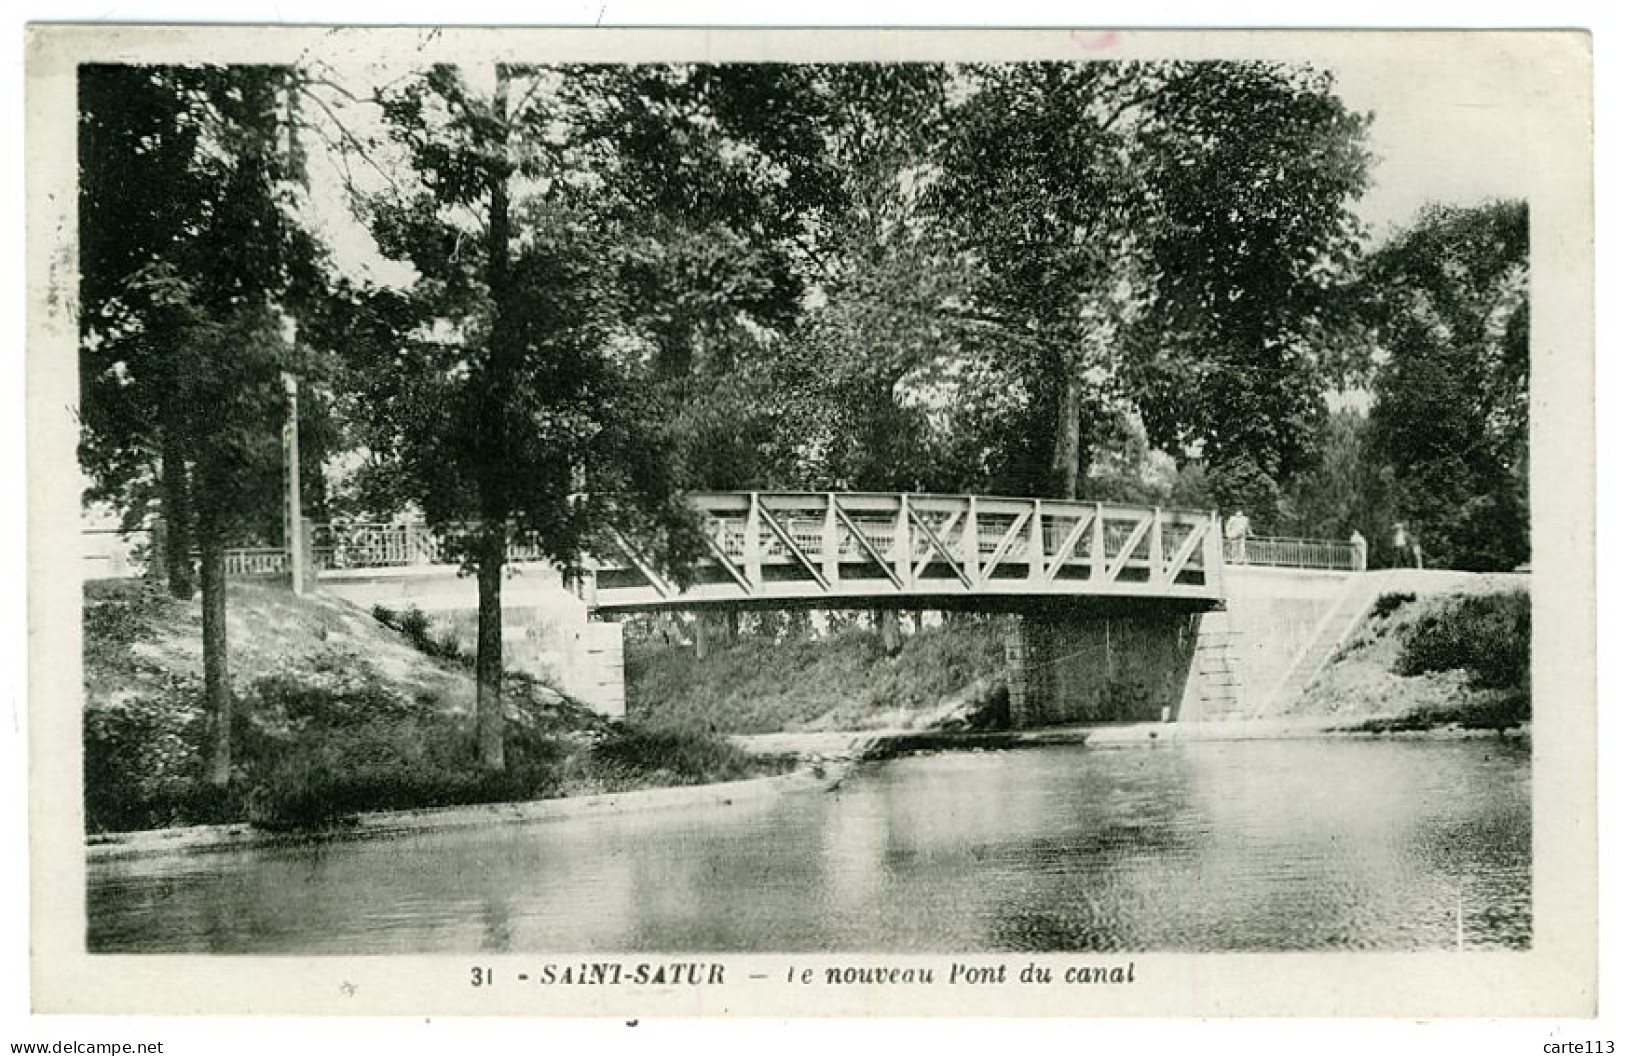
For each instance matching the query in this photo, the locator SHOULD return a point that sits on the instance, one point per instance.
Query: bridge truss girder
(903, 550)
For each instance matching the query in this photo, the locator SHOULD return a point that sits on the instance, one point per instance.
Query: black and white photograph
(1082, 521)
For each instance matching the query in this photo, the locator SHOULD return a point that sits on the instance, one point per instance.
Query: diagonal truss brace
(1182, 556)
(941, 548)
(1006, 541)
(1068, 544)
(791, 545)
(867, 547)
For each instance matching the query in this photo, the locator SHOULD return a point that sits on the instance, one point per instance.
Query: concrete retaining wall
(1271, 617)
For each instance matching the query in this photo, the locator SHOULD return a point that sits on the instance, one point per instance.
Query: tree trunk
(177, 514)
(1068, 442)
(494, 459)
(891, 632)
(216, 670)
(702, 637)
(488, 706)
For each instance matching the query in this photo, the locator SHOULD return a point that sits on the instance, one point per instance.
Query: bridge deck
(909, 550)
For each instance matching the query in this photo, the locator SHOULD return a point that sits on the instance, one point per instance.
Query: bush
(142, 758)
(1485, 635)
(415, 627)
(387, 765)
(1387, 604)
(322, 751)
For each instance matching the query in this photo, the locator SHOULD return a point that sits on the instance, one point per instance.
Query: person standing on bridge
(1236, 530)
(1407, 549)
(1357, 541)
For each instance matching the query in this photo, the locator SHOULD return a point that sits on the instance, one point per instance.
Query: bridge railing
(905, 539)
(1282, 552)
(375, 545)
(257, 562)
(360, 545)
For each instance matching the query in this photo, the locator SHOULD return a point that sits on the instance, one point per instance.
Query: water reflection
(1222, 846)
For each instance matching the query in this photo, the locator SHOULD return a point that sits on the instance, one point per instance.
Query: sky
(1442, 131)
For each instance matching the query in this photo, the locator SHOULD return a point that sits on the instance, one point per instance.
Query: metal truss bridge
(851, 550)
(904, 550)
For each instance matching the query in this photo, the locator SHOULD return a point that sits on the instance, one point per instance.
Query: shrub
(414, 625)
(324, 777)
(141, 758)
(1485, 635)
(347, 699)
(1387, 604)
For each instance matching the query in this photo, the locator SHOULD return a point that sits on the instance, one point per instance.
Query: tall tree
(1449, 303)
(192, 263)
(1155, 238)
(1040, 187)
(1251, 173)
(506, 385)
(794, 179)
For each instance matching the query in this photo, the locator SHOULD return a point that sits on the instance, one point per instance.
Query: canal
(1217, 846)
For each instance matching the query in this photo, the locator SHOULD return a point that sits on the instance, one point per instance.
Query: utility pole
(294, 528)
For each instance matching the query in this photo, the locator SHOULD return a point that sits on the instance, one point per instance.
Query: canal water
(1219, 846)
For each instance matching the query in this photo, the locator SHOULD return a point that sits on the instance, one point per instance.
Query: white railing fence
(1280, 552)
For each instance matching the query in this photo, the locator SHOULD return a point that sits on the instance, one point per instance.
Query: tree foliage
(1253, 169)
(1159, 240)
(192, 261)
(1449, 307)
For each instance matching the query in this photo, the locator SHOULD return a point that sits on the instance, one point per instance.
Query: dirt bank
(335, 715)
(1422, 661)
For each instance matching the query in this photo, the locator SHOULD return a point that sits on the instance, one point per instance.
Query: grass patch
(1493, 711)
(683, 757)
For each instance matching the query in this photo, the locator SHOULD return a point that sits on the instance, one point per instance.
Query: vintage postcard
(811, 523)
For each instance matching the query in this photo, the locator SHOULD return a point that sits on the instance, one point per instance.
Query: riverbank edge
(827, 758)
(838, 748)
(198, 839)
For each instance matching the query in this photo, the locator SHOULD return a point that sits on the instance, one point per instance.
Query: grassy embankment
(336, 714)
(944, 676)
(1425, 663)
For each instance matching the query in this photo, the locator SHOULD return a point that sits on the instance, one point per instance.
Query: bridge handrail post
(831, 543)
(1153, 551)
(1213, 557)
(753, 541)
(1097, 545)
(1035, 544)
(903, 544)
(970, 540)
